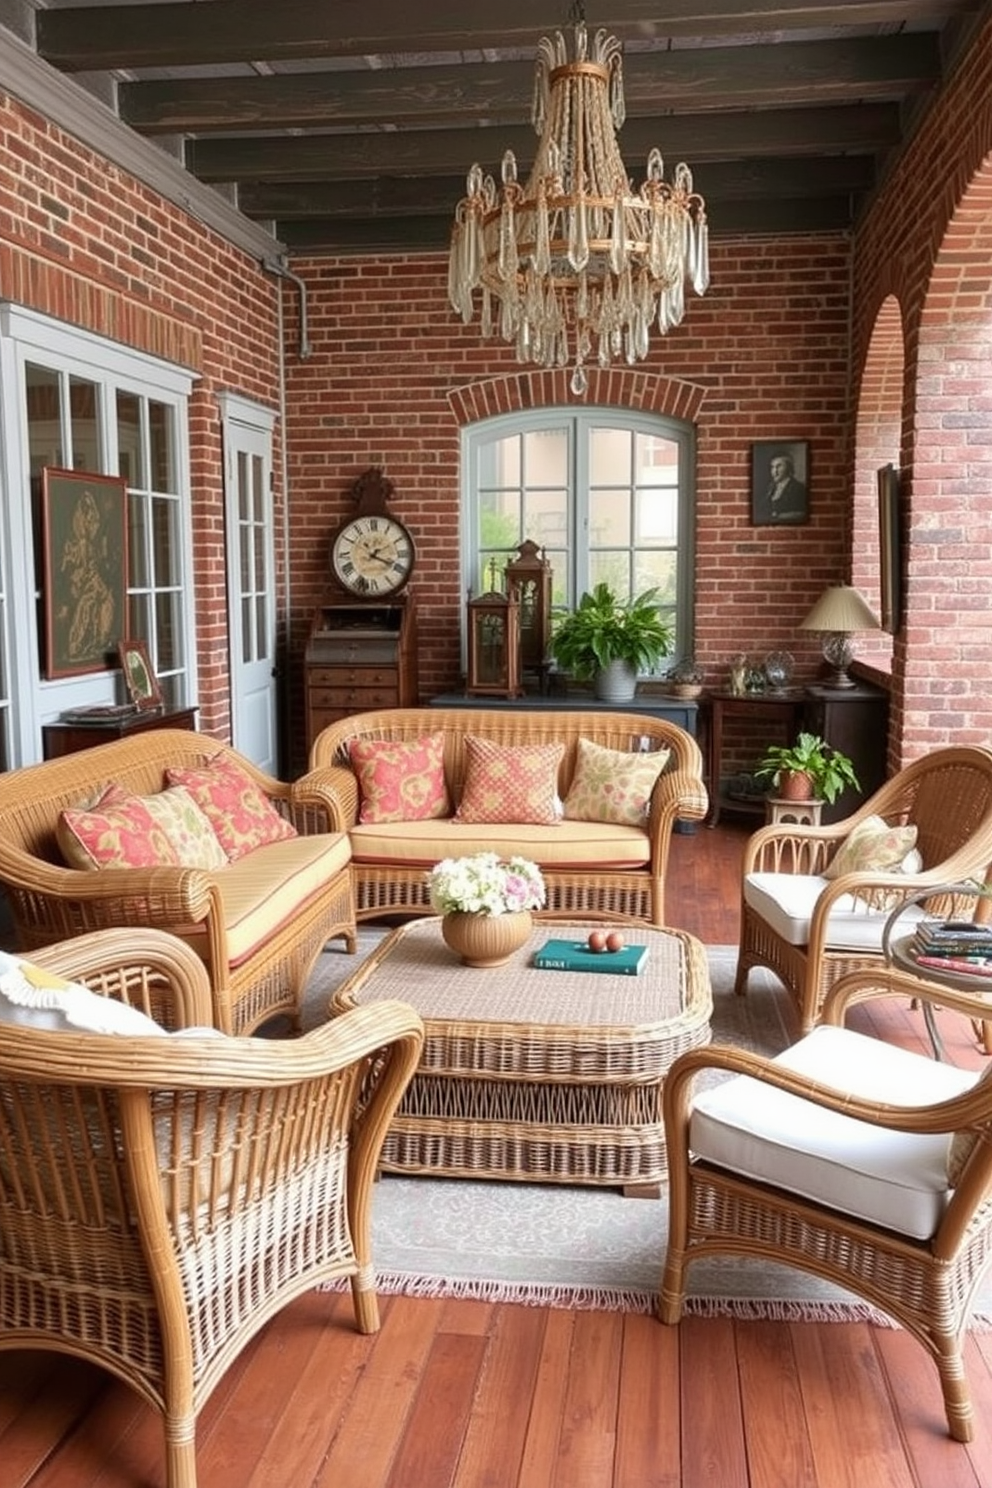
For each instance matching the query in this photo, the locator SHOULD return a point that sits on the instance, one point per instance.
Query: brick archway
(613, 387)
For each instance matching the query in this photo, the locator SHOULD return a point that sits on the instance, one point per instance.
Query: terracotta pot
(486, 940)
(795, 786)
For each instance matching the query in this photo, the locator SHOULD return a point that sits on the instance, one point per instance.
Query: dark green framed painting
(84, 584)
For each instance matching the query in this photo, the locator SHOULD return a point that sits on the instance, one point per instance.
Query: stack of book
(953, 945)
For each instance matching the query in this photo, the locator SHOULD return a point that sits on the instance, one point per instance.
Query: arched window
(607, 494)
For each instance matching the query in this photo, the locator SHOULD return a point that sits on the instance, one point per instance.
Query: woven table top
(414, 964)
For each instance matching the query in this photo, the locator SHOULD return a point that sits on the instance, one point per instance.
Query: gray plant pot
(617, 683)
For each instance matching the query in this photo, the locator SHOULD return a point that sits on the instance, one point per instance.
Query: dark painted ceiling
(350, 124)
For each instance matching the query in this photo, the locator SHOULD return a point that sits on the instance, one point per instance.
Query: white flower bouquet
(485, 884)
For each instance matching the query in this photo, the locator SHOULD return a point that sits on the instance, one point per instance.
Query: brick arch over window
(644, 392)
(948, 664)
(878, 442)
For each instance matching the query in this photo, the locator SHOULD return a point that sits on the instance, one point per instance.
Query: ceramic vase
(486, 940)
(616, 683)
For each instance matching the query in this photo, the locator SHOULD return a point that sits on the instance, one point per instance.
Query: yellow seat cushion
(569, 844)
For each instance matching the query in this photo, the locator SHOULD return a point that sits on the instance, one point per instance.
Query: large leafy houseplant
(826, 770)
(604, 629)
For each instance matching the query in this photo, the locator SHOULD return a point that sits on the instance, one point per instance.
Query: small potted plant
(607, 641)
(686, 679)
(809, 769)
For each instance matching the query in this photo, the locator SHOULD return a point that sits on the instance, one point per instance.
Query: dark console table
(58, 739)
(673, 710)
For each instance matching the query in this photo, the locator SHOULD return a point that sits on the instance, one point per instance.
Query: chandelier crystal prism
(576, 266)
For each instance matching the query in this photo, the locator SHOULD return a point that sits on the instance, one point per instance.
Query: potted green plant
(608, 641)
(809, 768)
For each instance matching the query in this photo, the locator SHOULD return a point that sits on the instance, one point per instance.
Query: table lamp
(839, 612)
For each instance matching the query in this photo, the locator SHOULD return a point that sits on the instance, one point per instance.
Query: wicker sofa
(258, 923)
(591, 868)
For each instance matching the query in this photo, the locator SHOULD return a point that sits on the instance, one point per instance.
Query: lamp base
(838, 680)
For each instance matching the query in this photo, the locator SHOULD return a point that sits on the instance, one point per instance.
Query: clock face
(372, 555)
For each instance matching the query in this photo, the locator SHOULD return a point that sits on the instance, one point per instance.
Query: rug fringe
(615, 1299)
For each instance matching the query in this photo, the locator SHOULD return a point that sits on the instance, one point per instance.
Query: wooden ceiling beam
(724, 77)
(96, 37)
(694, 138)
(393, 196)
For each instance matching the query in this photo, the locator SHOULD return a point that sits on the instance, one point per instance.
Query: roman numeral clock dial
(372, 556)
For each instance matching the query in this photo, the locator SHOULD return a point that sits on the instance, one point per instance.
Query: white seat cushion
(895, 1179)
(786, 901)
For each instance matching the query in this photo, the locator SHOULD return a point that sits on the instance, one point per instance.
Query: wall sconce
(838, 613)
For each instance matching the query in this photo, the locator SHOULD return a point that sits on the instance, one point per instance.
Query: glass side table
(966, 900)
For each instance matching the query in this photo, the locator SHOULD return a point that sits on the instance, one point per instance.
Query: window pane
(137, 543)
(83, 417)
(546, 458)
(169, 648)
(610, 457)
(165, 517)
(162, 452)
(609, 519)
(130, 463)
(657, 515)
(44, 418)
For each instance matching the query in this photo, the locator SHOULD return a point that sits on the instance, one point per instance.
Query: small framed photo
(139, 675)
(779, 482)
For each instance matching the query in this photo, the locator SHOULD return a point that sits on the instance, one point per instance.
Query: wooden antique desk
(58, 739)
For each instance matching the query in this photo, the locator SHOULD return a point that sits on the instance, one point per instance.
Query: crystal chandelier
(576, 265)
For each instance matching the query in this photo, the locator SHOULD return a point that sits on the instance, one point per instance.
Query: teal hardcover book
(575, 955)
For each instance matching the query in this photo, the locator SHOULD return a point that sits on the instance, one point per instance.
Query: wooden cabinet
(854, 720)
(58, 739)
(359, 657)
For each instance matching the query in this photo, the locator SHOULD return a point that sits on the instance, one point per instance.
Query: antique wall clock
(372, 552)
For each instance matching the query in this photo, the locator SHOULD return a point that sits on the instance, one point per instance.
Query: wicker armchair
(757, 1173)
(810, 930)
(161, 1198)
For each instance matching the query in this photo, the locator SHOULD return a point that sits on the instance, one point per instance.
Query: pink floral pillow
(240, 813)
(398, 781)
(611, 785)
(116, 831)
(506, 783)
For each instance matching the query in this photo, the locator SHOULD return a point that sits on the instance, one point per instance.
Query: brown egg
(614, 941)
(597, 940)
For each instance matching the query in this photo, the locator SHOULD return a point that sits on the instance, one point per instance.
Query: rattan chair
(729, 1146)
(809, 930)
(162, 1197)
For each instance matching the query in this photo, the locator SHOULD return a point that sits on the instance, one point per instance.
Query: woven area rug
(578, 1247)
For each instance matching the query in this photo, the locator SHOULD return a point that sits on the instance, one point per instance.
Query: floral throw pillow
(872, 847)
(242, 816)
(116, 831)
(187, 827)
(611, 785)
(506, 783)
(400, 781)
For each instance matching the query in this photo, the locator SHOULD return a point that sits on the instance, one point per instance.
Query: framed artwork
(84, 557)
(779, 482)
(139, 675)
(889, 553)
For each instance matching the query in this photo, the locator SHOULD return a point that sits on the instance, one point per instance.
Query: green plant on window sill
(826, 770)
(604, 629)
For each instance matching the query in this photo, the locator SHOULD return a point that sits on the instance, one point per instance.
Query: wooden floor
(471, 1395)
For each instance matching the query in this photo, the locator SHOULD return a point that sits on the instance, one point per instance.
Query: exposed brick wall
(394, 376)
(82, 241)
(928, 243)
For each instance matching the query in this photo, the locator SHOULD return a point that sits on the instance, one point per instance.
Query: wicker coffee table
(538, 1076)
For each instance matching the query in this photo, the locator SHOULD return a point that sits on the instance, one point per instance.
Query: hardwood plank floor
(473, 1395)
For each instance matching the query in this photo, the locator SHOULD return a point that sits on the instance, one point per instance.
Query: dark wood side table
(784, 708)
(58, 739)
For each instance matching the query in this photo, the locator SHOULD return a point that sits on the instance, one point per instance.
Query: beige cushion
(570, 845)
(187, 827)
(872, 847)
(889, 1178)
(611, 785)
(265, 888)
(786, 901)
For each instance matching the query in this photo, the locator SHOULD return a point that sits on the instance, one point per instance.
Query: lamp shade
(840, 608)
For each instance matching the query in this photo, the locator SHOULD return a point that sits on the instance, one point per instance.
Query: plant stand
(798, 813)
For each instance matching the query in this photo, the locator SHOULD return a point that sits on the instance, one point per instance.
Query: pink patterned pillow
(400, 782)
(240, 813)
(117, 831)
(510, 783)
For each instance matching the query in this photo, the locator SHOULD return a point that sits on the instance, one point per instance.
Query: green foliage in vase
(827, 768)
(604, 629)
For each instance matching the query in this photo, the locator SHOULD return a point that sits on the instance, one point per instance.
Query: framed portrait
(84, 579)
(779, 482)
(889, 548)
(139, 675)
